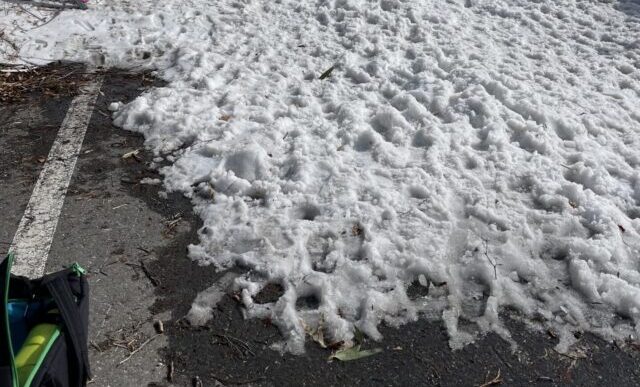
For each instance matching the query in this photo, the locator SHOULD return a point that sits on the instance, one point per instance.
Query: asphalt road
(133, 244)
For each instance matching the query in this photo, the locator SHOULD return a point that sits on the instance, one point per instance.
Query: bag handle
(74, 313)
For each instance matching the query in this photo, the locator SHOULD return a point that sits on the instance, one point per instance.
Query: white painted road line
(35, 233)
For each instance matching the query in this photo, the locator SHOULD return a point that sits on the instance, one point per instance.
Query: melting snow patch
(485, 151)
(202, 309)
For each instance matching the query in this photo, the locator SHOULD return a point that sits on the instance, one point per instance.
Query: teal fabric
(23, 315)
(18, 322)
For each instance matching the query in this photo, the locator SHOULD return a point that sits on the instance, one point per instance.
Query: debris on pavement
(56, 80)
(354, 353)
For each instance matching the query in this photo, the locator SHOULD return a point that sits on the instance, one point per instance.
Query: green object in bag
(34, 350)
(43, 328)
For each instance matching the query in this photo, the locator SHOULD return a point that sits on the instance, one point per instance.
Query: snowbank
(488, 150)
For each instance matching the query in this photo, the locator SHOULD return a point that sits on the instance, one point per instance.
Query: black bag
(44, 329)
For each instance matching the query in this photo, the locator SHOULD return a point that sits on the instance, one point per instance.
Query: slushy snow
(488, 151)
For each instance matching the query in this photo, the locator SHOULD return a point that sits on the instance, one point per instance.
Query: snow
(115, 106)
(202, 309)
(487, 150)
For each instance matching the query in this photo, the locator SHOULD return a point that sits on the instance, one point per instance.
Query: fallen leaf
(133, 153)
(316, 334)
(354, 353)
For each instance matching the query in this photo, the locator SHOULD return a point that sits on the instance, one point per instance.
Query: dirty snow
(486, 150)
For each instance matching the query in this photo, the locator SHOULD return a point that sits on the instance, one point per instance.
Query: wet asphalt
(133, 244)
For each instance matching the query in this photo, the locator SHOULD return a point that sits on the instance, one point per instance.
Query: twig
(170, 371)
(146, 272)
(572, 355)
(494, 381)
(9, 42)
(55, 15)
(12, 71)
(500, 357)
(494, 264)
(101, 270)
(30, 13)
(138, 349)
(242, 348)
(327, 73)
(95, 346)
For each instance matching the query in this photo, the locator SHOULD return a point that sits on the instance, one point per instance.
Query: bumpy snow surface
(488, 151)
